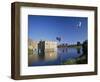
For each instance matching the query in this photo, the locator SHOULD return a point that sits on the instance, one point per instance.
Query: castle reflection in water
(41, 51)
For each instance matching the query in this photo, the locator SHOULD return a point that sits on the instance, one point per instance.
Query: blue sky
(70, 29)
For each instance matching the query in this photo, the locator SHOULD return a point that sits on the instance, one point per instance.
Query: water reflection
(50, 55)
(47, 56)
(64, 50)
(78, 50)
(53, 57)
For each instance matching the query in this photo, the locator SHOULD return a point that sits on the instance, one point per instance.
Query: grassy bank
(80, 60)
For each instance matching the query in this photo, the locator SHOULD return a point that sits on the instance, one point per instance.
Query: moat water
(54, 58)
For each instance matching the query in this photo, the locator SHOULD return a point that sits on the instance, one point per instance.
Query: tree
(84, 47)
(78, 43)
(78, 47)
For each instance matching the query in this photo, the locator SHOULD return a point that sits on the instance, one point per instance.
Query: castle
(43, 49)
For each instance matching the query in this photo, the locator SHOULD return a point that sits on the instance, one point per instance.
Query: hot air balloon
(79, 24)
(58, 38)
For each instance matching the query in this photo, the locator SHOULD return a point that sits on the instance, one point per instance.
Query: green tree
(78, 43)
(84, 47)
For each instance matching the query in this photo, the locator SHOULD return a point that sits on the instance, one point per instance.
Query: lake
(54, 58)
